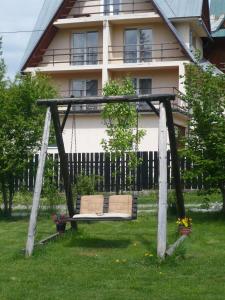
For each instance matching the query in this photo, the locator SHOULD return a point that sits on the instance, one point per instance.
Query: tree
(205, 94)
(20, 127)
(123, 136)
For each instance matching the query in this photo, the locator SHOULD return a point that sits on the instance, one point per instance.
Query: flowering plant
(186, 222)
(59, 218)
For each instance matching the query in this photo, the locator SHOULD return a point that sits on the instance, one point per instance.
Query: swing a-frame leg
(166, 121)
(63, 161)
(175, 161)
(38, 185)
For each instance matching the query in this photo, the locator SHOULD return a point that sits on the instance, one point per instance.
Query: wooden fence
(110, 174)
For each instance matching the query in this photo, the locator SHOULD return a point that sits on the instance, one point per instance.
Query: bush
(85, 185)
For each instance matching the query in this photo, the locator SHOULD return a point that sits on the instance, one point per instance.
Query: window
(85, 48)
(111, 7)
(82, 88)
(137, 45)
(143, 86)
(193, 41)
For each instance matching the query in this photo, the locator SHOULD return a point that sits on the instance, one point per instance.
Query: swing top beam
(108, 99)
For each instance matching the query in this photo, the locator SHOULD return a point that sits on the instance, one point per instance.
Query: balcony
(178, 105)
(93, 8)
(72, 57)
(145, 53)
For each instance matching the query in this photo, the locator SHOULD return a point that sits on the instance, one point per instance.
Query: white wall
(90, 130)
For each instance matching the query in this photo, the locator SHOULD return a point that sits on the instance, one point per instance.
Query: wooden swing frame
(165, 122)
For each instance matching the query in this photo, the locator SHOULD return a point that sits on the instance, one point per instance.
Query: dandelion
(117, 260)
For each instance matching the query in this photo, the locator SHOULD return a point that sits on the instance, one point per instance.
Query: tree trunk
(5, 198)
(11, 195)
(222, 189)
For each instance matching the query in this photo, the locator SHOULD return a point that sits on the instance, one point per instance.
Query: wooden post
(38, 185)
(173, 247)
(175, 161)
(63, 161)
(162, 205)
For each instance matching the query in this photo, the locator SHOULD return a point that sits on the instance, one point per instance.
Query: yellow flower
(117, 260)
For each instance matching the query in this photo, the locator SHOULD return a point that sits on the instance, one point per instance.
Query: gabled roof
(181, 8)
(51, 10)
(47, 12)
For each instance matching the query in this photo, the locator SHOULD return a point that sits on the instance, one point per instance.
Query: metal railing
(138, 53)
(90, 8)
(72, 56)
(178, 105)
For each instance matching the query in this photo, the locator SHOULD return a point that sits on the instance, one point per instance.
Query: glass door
(78, 88)
(111, 7)
(145, 86)
(116, 7)
(92, 48)
(106, 7)
(145, 45)
(85, 48)
(78, 49)
(83, 88)
(130, 47)
(138, 45)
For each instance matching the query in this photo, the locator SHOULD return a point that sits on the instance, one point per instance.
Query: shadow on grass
(12, 218)
(98, 243)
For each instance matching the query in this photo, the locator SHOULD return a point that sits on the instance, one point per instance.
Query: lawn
(116, 260)
(193, 197)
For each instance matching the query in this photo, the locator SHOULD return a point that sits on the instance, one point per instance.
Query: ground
(115, 260)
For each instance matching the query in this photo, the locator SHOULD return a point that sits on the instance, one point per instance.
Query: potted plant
(60, 221)
(185, 225)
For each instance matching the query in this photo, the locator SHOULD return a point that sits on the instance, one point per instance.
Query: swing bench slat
(100, 208)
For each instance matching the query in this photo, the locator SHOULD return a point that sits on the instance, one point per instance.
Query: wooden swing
(100, 208)
(96, 207)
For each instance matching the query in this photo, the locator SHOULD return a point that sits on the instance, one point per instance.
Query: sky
(16, 15)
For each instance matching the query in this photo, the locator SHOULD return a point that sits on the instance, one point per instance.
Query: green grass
(106, 261)
(189, 197)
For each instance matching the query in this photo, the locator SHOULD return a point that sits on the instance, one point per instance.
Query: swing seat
(98, 208)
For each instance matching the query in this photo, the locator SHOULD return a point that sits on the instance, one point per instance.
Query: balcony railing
(138, 53)
(72, 56)
(178, 105)
(90, 8)
(117, 54)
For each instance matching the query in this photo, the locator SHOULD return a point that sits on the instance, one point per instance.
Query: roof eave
(173, 30)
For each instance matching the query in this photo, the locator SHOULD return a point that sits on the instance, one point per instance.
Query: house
(214, 50)
(86, 43)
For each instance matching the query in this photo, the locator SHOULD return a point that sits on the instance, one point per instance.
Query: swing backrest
(92, 204)
(121, 204)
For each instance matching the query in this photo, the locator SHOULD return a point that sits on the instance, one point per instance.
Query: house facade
(214, 49)
(86, 43)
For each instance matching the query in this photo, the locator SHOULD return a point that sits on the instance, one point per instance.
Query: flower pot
(61, 227)
(184, 230)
